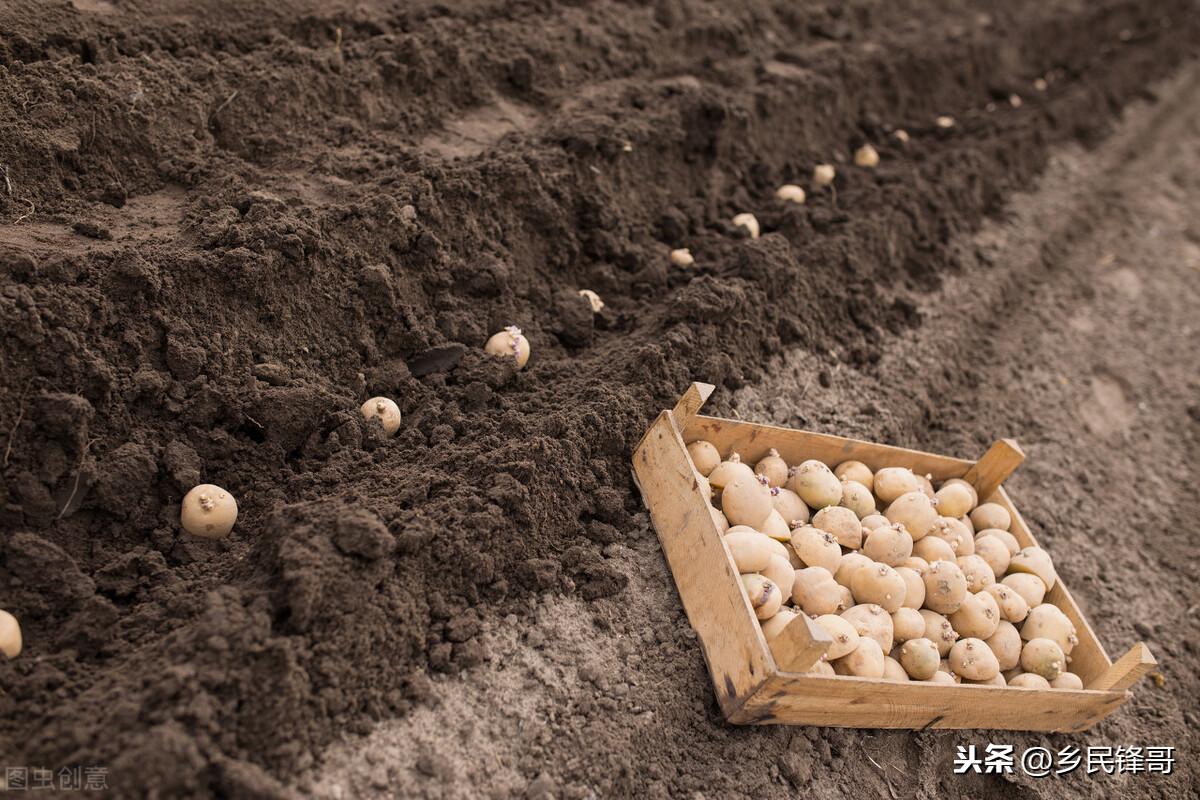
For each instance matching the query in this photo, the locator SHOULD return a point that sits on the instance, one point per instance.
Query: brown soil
(228, 225)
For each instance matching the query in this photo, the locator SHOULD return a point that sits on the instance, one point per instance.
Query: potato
(385, 410)
(920, 658)
(773, 468)
(790, 193)
(942, 677)
(510, 343)
(1047, 621)
(1007, 538)
(765, 596)
(866, 661)
(855, 471)
(746, 501)
(866, 157)
(842, 523)
(778, 548)
(816, 484)
(817, 548)
(729, 469)
(815, 592)
(917, 565)
(970, 489)
(977, 617)
(932, 549)
(945, 587)
(892, 482)
(850, 562)
(991, 515)
(1067, 680)
(775, 625)
(10, 635)
(1043, 657)
(704, 455)
(719, 520)
(750, 549)
(995, 680)
(944, 666)
(780, 572)
(914, 587)
(823, 174)
(892, 671)
(682, 257)
(873, 622)
(994, 552)
(858, 499)
(976, 571)
(888, 545)
(955, 534)
(907, 623)
(939, 630)
(926, 482)
(1030, 587)
(1027, 680)
(821, 668)
(843, 634)
(790, 506)
(776, 528)
(954, 500)
(846, 599)
(878, 584)
(873, 521)
(1034, 561)
(914, 511)
(972, 659)
(966, 521)
(1006, 645)
(1012, 605)
(208, 511)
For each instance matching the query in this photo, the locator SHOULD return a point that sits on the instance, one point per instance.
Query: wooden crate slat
(1126, 670)
(1000, 461)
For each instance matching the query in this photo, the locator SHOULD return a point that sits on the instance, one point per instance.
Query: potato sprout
(773, 468)
(384, 410)
(510, 343)
(208, 511)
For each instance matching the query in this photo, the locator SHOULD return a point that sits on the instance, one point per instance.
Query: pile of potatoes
(910, 581)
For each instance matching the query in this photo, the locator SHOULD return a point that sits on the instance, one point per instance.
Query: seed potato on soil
(510, 343)
(10, 635)
(208, 511)
(384, 410)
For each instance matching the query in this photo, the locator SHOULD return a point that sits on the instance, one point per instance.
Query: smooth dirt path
(1077, 318)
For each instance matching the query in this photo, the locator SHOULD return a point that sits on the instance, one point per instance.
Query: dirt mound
(230, 225)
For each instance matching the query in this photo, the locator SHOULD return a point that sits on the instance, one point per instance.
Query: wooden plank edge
(690, 403)
(799, 645)
(1126, 670)
(994, 467)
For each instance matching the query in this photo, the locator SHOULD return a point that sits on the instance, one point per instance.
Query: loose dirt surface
(227, 224)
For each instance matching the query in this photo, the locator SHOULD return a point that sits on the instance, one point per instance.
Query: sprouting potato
(918, 565)
(779, 571)
(822, 668)
(727, 470)
(815, 592)
(843, 634)
(1047, 621)
(977, 617)
(866, 156)
(1012, 605)
(873, 622)
(719, 520)
(892, 482)
(969, 488)
(933, 548)
(10, 635)
(866, 661)
(1030, 587)
(510, 343)
(385, 410)
(750, 549)
(841, 523)
(1067, 680)
(593, 299)
(1007, 539)
(954, 500)
(907, 623)
(994, 552)
(976, 571)
(778, 548)
(913, 510)
(849, 564)
(746, 501)
(946, 668)
(790, 506)
(939, 630)
(1043, 657)
(773, 468)
(966, 521)
(775, 527)
(892, 671)
(1028, 680)
(954, 533)
(705, 489)
(972, 659)
(790, 193)
(945, 587)
(845, 598)
(208, 511)
(765, 596)
(855, 471)
(888, 545)
(920, 658)
(914, 587)
(823, 174)
(817, 548)
(926, 482)
(774, 626)
(991, 515)
(878, 584)
(857, 498)
(1034, 561)
(682, 257)
(749, 222)
(873, 521)
(1006, 645)
(995, 680)
(942, 677)
(816, 484)
(704, 456)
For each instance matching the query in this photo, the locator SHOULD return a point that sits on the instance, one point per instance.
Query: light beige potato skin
(915, 511)
(994, 552)
(1034, 561)
(10, 635)
(727, 470)
(920, 658)
(821, 668)
(873, 622)
(888, 545)
(208, 511)
(1067, 680)
(847, 599)
(954, 500)
(1027, 680)
(858, 499)
(817, 548)
(816, 484)
(790, 506)
(509, 343)
(914, 587)
(843, 634)
(719, 520)
(745, 501)
(977, 617)
(1012, 605)
(991, 515)
(954, 533)
(1043, 657)
(385, 410)
(765, 597)
(773, 468)
(776, 528)
(780, 572)
(1030, 587)
(750, 549)
(976, 571)
(1005, 537)
(945, 587)
(891, 482)
(815, 592)
(968, 487)
(942, 677)
(866, 661)
(917, 565)
(892, 671)
(873, 521)
(939, 631)
(775, 625)
(995, 680)
(842, 523)
(972, 659)
(704, 456)
(1047, 621)
(855, 471)
(878, 584)
(849, 564)
(1006, 645)
(933, 548)
(907, 623)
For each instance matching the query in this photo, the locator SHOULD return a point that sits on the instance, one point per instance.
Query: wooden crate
(760, 684)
